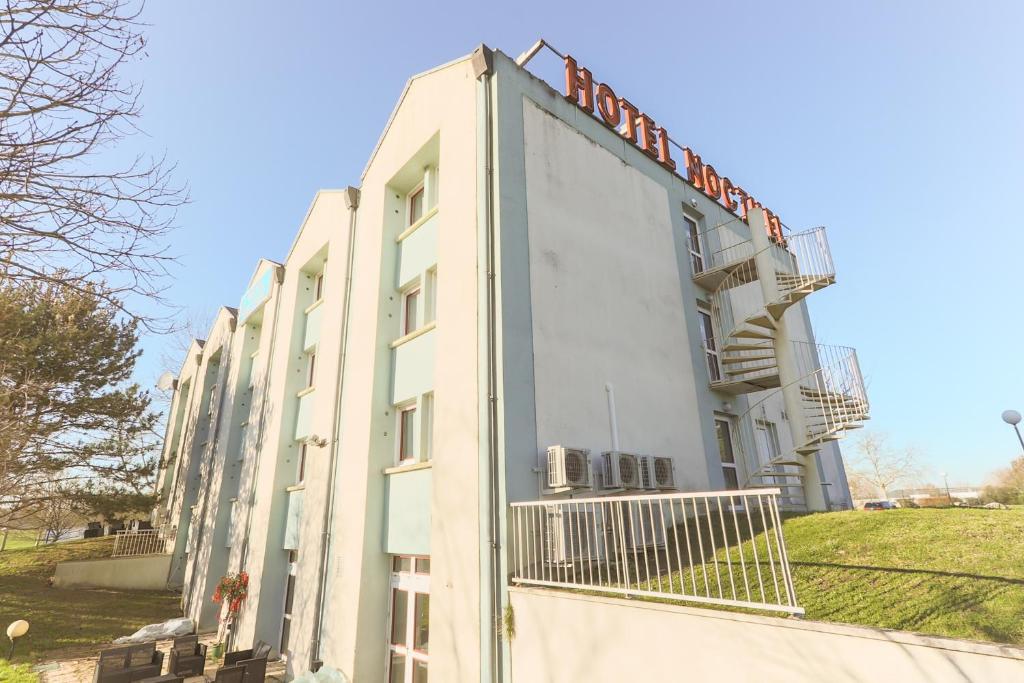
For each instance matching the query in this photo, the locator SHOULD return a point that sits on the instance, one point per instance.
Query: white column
(789, 369)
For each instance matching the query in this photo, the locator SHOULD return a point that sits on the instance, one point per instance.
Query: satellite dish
(165, 382)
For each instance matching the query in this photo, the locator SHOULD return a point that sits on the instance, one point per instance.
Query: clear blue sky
(897, 125)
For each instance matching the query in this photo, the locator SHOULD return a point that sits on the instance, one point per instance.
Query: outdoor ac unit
(572, 536)
(568, 467)
(621, 470)
(647, 472)
(642, 526)
(664, 473)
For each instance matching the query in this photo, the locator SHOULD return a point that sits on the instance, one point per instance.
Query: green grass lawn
(17, 539)
(954, 572)
(68, 617)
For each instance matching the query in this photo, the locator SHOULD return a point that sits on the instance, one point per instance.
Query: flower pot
(218, 650)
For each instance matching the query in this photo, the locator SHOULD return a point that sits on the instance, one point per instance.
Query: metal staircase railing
(833, 401)
(744, 322)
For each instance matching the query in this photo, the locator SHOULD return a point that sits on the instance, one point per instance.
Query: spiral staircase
(823, 383)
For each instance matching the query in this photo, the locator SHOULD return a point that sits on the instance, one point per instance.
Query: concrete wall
(146, 572)
(567, 637)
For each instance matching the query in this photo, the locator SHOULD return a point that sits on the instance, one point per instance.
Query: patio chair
(254, 661)
(188, 657)
(128, 663)
(230, 674)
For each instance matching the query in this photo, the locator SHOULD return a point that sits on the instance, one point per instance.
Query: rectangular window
(416, 205)
(409, 644)
(411, 311)
(767, 436)
(430, 315)
(310, 368)
(300, 474)
(406, 434)
(723, 430)
(318, 287)
(707, 337)
(427, 426)
(289, 599)
(693, 237)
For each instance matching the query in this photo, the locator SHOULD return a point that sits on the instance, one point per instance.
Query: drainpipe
(243, 557)
(352, 203)
(226, 370)
(483, 66)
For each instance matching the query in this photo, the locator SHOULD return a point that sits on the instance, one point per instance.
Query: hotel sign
(653, 140)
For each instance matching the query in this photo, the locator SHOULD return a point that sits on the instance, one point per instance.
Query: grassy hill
(952, 572)
(62, 618)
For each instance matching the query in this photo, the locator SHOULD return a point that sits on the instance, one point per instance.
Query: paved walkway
(76, 666)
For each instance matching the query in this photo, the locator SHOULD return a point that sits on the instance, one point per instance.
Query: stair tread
(731, 346)
(728, 360)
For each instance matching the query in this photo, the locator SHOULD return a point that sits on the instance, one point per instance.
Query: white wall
(606, 303)
(566, 637)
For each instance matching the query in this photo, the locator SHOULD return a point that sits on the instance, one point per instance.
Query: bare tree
(57, 513)
(876, 468)
(66, 215)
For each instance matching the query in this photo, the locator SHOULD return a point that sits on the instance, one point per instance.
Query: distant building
(511, 274)
(961, 492)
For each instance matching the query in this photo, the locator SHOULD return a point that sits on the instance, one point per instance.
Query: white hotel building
(510, 274)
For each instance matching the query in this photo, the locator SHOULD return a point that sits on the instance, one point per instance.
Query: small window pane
(406, 448)
(421, 635)
(411, 311)
(402, 564)
(724, 441)
(397, 668)
(419, 672)
(423, 565)
(399, 616)
(731, 482)
(416, 206)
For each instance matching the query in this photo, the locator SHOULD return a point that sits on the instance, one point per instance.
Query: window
(427, 426)
(767, 436)
(300, 474)
(723, 430)
(318, 287)
(430, 314)
(406, 434)
(410, 310)
(232, 514)
(416, 205)
(289, 599)
(310, 368)
(241, 440)
(409, 643)
(693, 237)
(707, 337)
(213, 399)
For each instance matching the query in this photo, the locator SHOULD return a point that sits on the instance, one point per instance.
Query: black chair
(128, 663)
(254, 661)
(188, 657)
(231, 674)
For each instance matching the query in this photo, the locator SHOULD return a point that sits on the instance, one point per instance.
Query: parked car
(879, 505)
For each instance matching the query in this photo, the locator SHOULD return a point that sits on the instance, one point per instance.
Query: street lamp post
(1012, 417)
(945, 480)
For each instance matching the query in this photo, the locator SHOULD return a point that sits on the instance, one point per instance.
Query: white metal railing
(142, 542)
(722, 548)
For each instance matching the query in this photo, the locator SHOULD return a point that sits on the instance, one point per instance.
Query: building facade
(530, 295)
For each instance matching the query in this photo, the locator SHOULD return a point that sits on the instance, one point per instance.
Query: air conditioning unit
(621, 470)
(572, 536)
(647, 472)
(662, 473)
(643, 526)
(568, 467)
